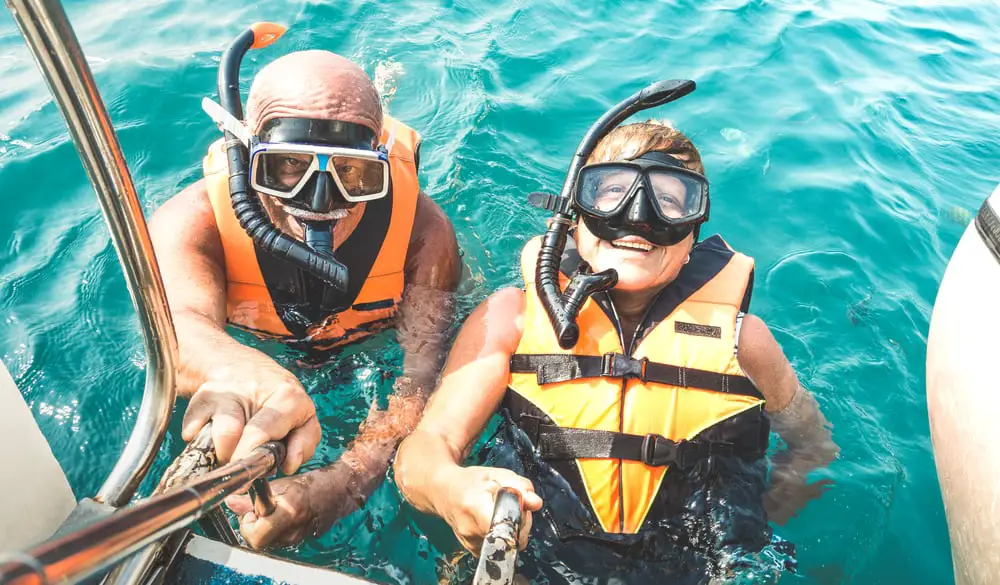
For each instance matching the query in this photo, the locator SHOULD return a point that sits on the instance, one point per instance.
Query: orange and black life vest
(618, 418)
(273, 299)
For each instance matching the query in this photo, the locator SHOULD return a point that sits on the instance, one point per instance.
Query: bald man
(402, 262)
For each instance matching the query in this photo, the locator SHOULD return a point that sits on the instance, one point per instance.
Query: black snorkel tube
(563, 307)
(249, 211)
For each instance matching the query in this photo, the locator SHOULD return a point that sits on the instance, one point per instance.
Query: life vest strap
(554, 443)
(555, 368)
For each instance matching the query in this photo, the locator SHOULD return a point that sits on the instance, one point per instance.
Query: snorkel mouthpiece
(563, 308)
(319, 237)
(583, 284)
(318, 260)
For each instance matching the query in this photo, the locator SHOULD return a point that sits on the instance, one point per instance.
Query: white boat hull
(37, 497)
(963, 400)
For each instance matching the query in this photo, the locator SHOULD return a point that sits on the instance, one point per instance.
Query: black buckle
(616, 365)
(530, 426)
(658, 451)
(550, 202)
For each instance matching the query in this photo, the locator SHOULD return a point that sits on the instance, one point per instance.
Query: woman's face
(640, 265)
(614, 184)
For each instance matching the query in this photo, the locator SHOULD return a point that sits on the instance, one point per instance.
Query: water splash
(386, 80)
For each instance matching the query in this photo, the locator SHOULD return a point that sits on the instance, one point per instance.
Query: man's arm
(312, 502)
(432, 272)
(249, 398)
(433, 269)
(795, 416)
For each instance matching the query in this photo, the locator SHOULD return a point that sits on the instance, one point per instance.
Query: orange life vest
(624, 416)
(273, 299)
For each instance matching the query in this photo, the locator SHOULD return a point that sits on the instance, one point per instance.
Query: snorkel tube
(249, 211)
(563, 307)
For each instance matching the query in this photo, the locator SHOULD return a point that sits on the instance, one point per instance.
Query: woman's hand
(789, 493)
(794, 415)
(469, 500)
(473, 384)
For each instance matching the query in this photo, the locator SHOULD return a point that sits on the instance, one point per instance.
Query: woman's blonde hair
(634, 140)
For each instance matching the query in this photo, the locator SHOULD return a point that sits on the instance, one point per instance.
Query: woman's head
(640, 263)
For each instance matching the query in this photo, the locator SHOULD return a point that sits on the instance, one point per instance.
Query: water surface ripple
(848, 143)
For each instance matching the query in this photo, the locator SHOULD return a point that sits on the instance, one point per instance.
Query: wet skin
(428, 465)
(249, 398)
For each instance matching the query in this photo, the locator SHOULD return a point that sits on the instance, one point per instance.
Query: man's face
(287, 170)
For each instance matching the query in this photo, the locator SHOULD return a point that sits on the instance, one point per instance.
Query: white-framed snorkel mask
(315, 255)
(315, 165)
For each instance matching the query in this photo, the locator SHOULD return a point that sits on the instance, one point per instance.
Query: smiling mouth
(637, 245)
(303, 215)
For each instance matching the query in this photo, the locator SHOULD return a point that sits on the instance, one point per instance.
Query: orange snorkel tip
(265, 33)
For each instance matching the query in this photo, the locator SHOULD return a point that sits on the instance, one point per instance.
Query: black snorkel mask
(654, 197)
(634, 210)
(315, 256)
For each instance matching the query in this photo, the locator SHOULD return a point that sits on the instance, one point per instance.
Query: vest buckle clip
(617, 365)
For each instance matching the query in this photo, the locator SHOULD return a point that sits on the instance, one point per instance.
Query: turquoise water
(847, 143)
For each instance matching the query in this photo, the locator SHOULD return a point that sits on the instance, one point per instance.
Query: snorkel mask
(316, 167)
(653, 197)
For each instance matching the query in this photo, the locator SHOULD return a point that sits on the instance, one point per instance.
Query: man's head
(640, 263)
(314, 84)
(312, 99)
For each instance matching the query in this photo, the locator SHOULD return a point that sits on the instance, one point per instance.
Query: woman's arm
(428, 465)
(795, 416)
(310, 503)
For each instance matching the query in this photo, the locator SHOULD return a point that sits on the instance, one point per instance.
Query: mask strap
(662, 158)
(227, 122)
(391, 140)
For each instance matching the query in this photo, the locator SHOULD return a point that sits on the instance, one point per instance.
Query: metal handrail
(51, 39)
(498, 557)
(97, 546)
(197, 459)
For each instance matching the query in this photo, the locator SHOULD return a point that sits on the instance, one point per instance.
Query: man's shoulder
(433, 247)
(194, 194)
(429, 216)
(189, 208)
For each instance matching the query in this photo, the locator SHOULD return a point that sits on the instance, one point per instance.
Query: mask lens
(360, 177)
(282, 172)
(603, 189)
(676, 195)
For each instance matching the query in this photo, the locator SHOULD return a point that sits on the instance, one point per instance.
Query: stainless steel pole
(101, 544)
(498, 557)
(197, 459)
(53, 43)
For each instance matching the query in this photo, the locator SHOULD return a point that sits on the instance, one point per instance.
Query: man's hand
(287, 525)
(250, 405)
(306, 505)
(468, 508)
(249, 397)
